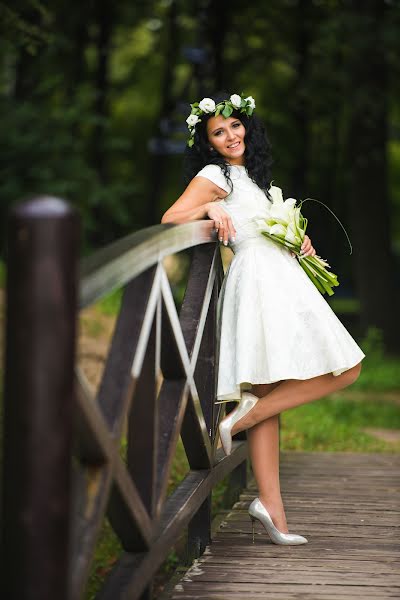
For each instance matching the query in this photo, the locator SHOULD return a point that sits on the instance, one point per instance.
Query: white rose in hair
(192, 120)
(251, 101)
(236, 100)
(207, 105)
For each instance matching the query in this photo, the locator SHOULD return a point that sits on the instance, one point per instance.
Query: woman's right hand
(222, 222)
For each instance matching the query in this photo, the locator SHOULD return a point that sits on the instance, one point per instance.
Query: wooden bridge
(346, 504)
(63, 469)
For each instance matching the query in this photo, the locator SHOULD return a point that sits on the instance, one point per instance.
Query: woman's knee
(351, 375)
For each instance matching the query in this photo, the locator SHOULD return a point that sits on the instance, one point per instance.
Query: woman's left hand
(306, 248)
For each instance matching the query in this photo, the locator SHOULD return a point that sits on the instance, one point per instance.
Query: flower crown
(225, 108)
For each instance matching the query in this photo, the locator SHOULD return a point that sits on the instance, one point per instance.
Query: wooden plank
(346, 504)
(300, 515)
(268, 591)
(303, 564)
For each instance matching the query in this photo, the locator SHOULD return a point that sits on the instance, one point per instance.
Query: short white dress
(272, 322)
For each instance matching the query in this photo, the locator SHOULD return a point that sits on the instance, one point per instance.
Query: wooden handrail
(151, 342)
(113, 266)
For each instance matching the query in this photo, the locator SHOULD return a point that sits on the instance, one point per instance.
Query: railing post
(199, 529)
(38, 398)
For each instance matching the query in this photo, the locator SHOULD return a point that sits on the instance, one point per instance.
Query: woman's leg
(263, 443)
(293, 392)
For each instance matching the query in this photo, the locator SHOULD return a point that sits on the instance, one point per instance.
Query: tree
(367, 142)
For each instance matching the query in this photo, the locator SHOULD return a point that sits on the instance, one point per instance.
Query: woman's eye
(236, 124)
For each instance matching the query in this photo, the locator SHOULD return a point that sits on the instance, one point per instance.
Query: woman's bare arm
(193, 203)
(199, 201)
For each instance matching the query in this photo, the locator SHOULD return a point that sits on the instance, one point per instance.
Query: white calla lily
(278, 229)
(276, 194)
(290, 202)
(291, 235)
(285, 225)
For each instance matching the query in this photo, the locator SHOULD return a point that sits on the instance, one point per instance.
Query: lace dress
(272, 322)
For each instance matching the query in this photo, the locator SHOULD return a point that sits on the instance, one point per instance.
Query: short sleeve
(214, 173)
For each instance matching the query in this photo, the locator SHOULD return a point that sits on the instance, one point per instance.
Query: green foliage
(2, 274)
(108, 550)
(379, 371)
(49, 156)
(344, 305)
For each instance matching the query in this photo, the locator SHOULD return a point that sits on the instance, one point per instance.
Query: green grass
(335, 424)
(108, 549)
(379, 371)
(110, 304)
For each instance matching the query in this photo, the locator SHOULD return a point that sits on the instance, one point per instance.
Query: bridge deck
(346, 504)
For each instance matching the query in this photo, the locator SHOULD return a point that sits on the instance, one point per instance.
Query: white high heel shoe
(246, 403)
(258, 511)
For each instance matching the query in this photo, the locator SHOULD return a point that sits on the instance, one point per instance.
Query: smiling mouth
(235, 145)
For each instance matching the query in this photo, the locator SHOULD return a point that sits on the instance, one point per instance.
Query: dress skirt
(273, 324)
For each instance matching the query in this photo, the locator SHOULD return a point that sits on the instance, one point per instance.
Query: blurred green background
(94, 97)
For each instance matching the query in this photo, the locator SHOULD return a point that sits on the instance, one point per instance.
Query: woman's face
(226, 136)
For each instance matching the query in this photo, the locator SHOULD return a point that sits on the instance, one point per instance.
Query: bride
(280, 343)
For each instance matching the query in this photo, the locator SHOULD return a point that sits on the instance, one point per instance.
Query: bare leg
(263, 443)
(294, 392)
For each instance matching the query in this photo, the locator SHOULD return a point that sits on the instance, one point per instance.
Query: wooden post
(38, 398)
(236, 483)
(199, 528)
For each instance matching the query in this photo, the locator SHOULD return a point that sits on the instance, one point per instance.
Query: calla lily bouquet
(286, 226)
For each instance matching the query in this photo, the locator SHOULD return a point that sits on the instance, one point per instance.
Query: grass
(335, 424)
(110, 304)
(380, 372)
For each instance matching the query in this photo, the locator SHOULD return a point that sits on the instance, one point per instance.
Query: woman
(280, 344)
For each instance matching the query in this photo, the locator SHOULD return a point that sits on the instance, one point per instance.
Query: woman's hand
(222, 222)
(306, 247)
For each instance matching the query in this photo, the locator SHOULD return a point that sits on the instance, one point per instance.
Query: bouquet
(286, 226)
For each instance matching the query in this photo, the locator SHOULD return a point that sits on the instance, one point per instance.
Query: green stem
(311, 276)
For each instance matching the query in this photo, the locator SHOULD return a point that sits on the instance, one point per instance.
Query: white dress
(273, 323)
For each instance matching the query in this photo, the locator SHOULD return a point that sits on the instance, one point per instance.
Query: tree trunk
(367, 159)
(167, 103)
(218, 25)
(104, 18)
(300, 109)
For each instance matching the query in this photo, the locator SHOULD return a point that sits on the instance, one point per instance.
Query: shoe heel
(252, 525)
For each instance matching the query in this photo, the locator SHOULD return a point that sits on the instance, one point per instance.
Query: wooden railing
(63, 468)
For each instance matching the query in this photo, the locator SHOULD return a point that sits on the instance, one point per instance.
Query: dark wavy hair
(257, 154)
